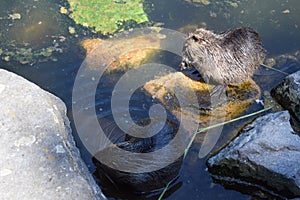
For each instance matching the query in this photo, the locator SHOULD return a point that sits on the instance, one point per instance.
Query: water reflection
(35, 26)
(277, 21)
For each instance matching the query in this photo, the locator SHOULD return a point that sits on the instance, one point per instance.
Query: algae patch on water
(107, 16)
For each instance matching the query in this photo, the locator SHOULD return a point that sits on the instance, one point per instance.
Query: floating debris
(72, 30)
(287, 11)
(212, 14)
(15, 16)
(54, 59)
(6, 58)
(62, 38)
(63, 10)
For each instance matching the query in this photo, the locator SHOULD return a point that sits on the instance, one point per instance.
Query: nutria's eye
(195, 38)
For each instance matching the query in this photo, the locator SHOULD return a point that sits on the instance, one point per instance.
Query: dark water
(42, 26)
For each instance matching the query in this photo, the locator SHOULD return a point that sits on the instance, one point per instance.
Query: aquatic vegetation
(32, 32)
(29, 56)
(204, 2)
(107, 16)
(232, 4)
(216, 4)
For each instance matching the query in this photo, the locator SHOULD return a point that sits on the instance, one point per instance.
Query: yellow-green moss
(107, 16)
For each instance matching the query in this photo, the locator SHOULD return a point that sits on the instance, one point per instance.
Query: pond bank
(39, 157)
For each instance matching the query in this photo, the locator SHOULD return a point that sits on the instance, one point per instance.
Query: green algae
(107, 16)
(29, 56)
(204, 2)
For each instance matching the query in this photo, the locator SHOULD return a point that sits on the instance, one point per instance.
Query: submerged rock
(120, 54)
(265, 156)
(39, 157)
(287, 93)
(150, 179)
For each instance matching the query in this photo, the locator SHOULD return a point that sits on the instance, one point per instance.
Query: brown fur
(228, 58)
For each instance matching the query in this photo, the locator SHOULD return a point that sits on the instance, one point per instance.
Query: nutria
(228, 58)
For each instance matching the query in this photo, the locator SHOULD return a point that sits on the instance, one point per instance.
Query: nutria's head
(196, 47)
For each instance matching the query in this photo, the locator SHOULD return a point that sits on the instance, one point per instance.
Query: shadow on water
(41, 26)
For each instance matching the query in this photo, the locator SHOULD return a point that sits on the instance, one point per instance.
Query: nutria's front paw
(183, 65)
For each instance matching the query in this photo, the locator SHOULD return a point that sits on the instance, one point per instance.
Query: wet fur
(228, 58)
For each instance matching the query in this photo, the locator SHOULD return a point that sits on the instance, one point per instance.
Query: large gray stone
(265, 155)
(287, 93)
(38, 159)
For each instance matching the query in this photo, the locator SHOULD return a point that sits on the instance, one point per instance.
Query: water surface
(42, 26)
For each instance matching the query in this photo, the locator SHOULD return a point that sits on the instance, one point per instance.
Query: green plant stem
(165, 190)
(266, 66)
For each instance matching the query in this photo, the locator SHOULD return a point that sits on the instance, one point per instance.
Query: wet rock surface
(146, 171)
(266, 156)
(236, 101)
(120, 54)
(39, 159)
(287, 93)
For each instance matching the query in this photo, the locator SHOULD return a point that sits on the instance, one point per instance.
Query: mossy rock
(239, 97)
